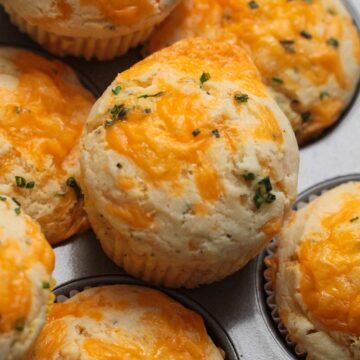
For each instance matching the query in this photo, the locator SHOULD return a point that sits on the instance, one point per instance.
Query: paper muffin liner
(87, 47)
(159, 271)
(269, 287)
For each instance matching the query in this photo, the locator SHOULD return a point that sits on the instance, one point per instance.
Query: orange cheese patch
(44, 115)
(123, 12)
(15, 286)
(172, 142)
(330, 266)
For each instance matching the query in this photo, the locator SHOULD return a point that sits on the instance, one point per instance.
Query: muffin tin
(235, 309)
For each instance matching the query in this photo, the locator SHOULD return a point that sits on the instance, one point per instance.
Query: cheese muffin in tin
(43, 108)
(316, 272)
(99, 29)
(308, 52)
(26, 264)
(188, 165)
(123, 322)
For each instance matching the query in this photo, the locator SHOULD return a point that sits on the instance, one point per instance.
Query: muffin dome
(26, 264)
(188, 164)
(89, 28)
(124, 322)
(308, 52)
(318, 271)
(43, 108)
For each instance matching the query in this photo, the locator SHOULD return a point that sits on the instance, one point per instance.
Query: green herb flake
(204, 77)
(196, 132)
(241, 98)
(20, 325)
(17, 211)
(305, 34)
(323, 95)
(333, 42)
(20, 181)
(30, 185)
(263, 194)
(116, 90)
(215, 133)
(253, 4)
(3, 198)
(249, 176)
(118, 112)
(45, 285)
(15, 201)
(306, 116)
(145, 96)
(72, 183)
(277, 80)
(354, 219)
(288, 45)
(108, 123)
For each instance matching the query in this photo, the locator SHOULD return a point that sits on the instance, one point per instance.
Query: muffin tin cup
(215, 330)
(303, 200)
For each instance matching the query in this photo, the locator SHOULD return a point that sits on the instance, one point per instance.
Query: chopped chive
(288, 45)
(72, 183)
(30, 185)
(277, 80)
(3, 198)
(333, 42)
(249, 176)
(305, 34)
(119, 112)
(354, 219)
(20, 325)
(20, 181)
(195, 132)
(215, 133)
(266, 183)
(253, 4)
(204, 77)
(306, 116)
(17, 211)
(241, 98)
(323, 95)
(263, 193)
(116, 90)
(16, 201)
(160, 93)
(45, 285)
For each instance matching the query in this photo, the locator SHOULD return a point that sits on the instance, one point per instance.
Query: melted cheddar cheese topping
(43, 116)
(160, 328)
(178, 132)
(17, 258)
(330, 267)
(284, 37)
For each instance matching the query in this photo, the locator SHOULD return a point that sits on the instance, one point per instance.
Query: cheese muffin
(188, 165)
(123, 322)
(43, 108)
(317, 272)
(26, 264)
(308, 52)
(99, 29)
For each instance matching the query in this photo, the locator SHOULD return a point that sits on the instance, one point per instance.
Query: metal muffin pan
(234, 309)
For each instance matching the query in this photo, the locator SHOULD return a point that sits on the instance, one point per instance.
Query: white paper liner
(270, 293)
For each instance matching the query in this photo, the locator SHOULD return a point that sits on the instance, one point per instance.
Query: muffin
(99, 29)
(188, 165)
(308, 52)
(26, 264)
(43, 108)
(317, 272)
(124, 322)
